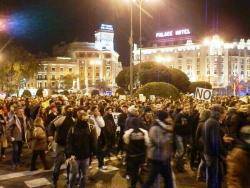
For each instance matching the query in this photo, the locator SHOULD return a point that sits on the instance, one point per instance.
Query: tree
(102, 85)
(26, 93)
(39, 92)
(179, 79)
(68, 81)
(160, 89)
(17, 64)
(202, 84)
(120, 91)
(154, 72)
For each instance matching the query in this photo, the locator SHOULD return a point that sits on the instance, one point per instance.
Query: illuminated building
(213, 60)
(89, 63)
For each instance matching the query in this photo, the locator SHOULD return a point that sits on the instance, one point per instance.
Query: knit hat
(162, 115)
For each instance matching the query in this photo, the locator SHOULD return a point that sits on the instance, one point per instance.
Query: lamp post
(131, 49)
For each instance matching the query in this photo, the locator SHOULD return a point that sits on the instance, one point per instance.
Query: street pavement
(111, 178)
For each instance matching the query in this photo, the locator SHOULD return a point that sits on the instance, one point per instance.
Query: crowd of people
(156, 137)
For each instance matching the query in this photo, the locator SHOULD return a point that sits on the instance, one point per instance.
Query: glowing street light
(3, 24)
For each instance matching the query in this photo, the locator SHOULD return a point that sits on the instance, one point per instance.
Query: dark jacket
(122, 121)
(60, 128)
(198, 136)
(211, 134)
(182, 125)
(133, 122)
(135, 137)
(2, 125)
(81, 140)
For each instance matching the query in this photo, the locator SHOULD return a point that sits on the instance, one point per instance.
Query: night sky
(40, 24)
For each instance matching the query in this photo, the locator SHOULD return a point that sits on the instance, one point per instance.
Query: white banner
(203, 94)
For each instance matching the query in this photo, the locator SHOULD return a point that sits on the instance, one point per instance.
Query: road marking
(25, 173)
(31, 173)
(37, 182)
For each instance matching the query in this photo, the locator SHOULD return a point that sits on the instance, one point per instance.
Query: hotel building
(221, 63)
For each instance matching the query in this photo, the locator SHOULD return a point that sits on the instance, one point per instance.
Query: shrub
(26, 93)
(39, 92)
(95, 92)
(120, 91)
(160, 89)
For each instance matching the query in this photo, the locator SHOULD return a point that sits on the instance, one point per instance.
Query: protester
(39, 144)
(213, 147)
(59, 129)
(136, 138)
(239, 161)
(16, 132)
(201, 173)
(3, 138)
(161, 150)
(81, 144)
(110, 131)
(99, 125)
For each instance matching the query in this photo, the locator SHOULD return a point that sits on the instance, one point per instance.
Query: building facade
(91, 64)
(213, 60)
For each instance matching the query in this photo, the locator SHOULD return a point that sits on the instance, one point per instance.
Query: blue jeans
(164, 169)
(80, 167)
(59, 160)
(214, 172)
(16, 153)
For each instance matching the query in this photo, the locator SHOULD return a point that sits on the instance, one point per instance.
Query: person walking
(160, 150)
(3, 138)
(136, 139)
(59, 129)
(99, 125)
(16, 131)
(81, 144)
(213, 147)
(39, 144)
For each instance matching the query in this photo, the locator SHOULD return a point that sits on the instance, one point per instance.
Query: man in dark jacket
(121, 124)
(81, 143)
(135, 137)
(109, 130)
(213, 146)
(59, 128)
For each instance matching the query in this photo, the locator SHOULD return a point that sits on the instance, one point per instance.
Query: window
(53, 77)
(53, 84)
(61, 69)
(61, 77)
(198, 72)
(107, 56)
(242, 72)
(70, 69)
(45, 84)
(45, 76)
(53, 69)
(97, 74)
